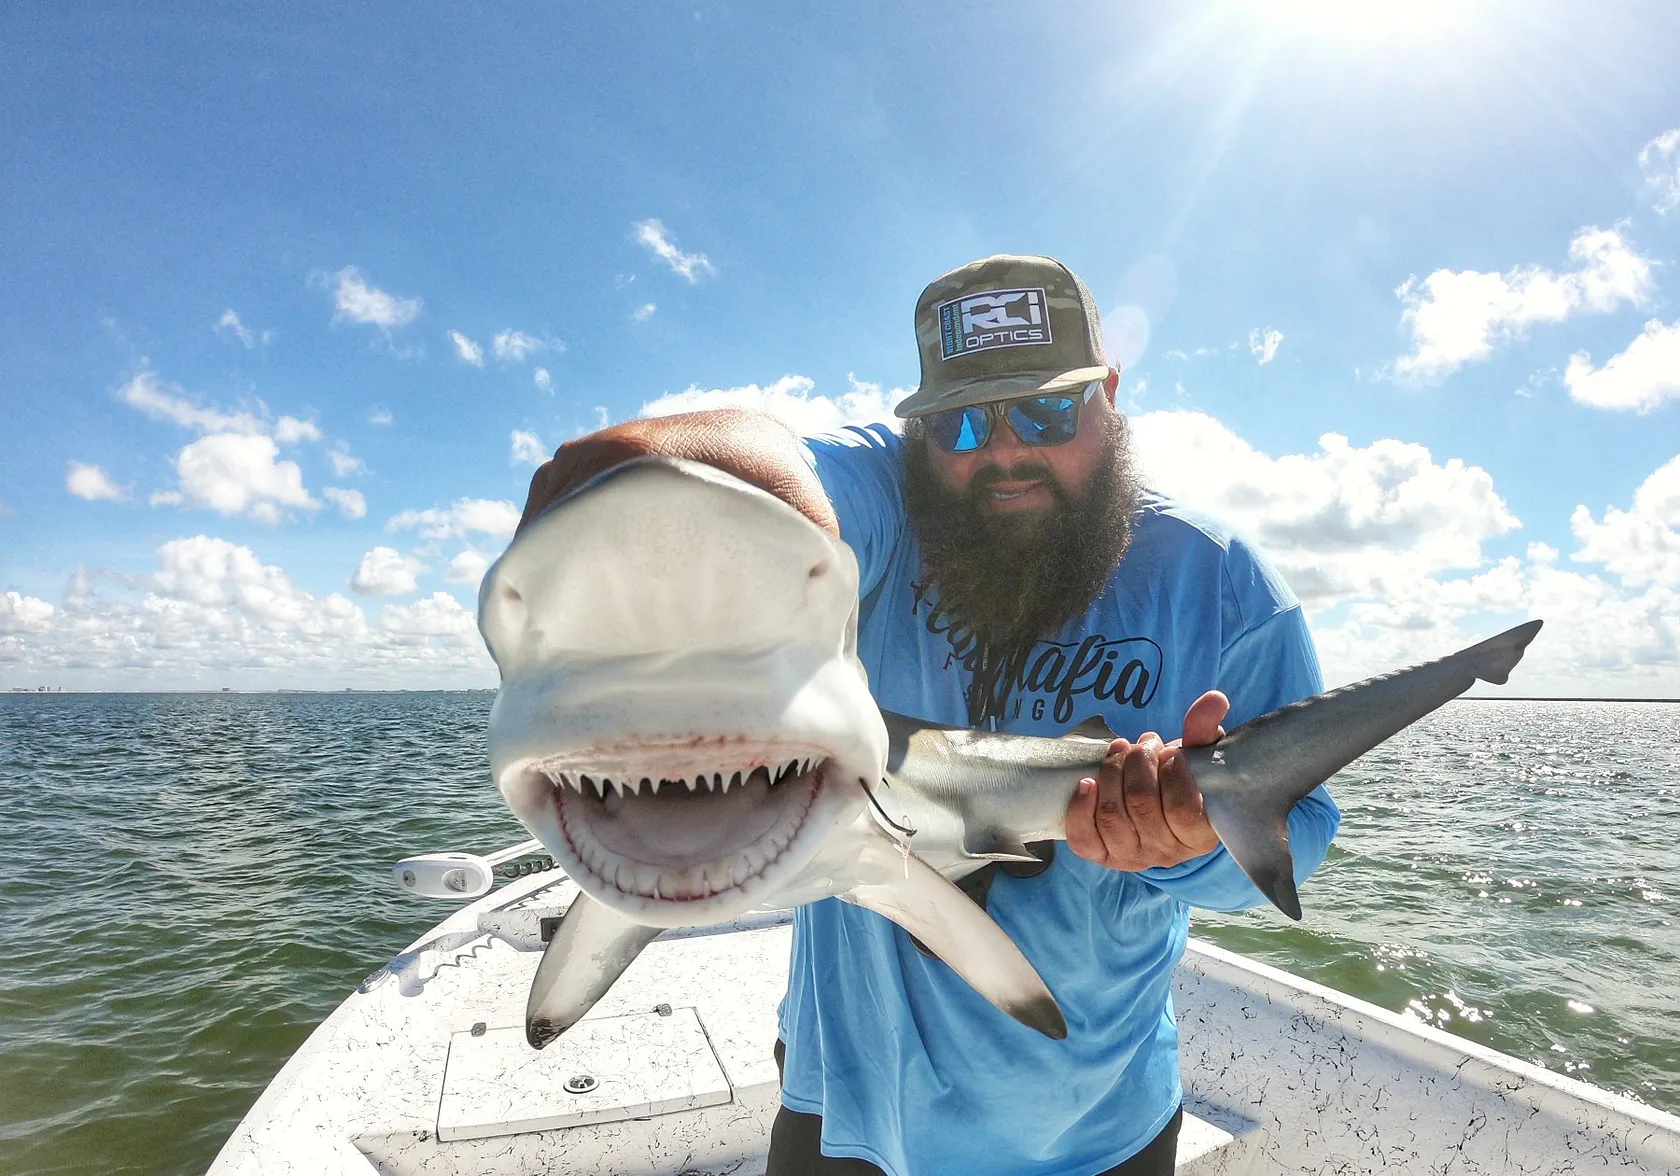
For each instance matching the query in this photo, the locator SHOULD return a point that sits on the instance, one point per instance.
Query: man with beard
(1015, 576)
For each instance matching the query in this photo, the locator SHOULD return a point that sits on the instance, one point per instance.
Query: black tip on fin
(1259, 845)
(1279, 887)
(541, 1033)
(1042, 1015)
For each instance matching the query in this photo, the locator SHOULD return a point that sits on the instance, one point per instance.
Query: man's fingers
(1082, 836)
(1113, 819)
(1142, 776)
(1202, 721)
(1181, 805)
(540, 494)
(575, 462)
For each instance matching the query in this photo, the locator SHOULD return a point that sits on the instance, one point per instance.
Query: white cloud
(526, 447)
(437, 615)
(543, 380)
(350, 503)
(23, 614)
(229, 324)
(343, 463)
(1599, 638)
(469, 351)
(1340, 523)
(146, 392)
(1660, 161)
(384, 571)
(690, 266)
(357, 302)
(789, 400)
(379, 417)
(1638, 380)
(468, 567)
(207, 571)
(1640, 545)
(1264, 344)
(466, 517)
(170, 402)
(1385, 544)
(516, 346)
(1456, 318)
(290, 430)
(92, 483)
(235, 473)
(166, 498)
(213, 614)
(643, 312)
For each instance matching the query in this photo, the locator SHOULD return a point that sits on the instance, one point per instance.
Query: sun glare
(1383, 21)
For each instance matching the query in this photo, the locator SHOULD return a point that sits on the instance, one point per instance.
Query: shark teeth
(606, 781)
(733, 868)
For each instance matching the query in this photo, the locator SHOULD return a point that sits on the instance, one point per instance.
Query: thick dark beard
(1012, 579)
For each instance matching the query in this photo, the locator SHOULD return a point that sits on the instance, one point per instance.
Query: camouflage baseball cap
(1004, 326)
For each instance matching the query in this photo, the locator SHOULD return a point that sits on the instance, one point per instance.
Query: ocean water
(189, 883)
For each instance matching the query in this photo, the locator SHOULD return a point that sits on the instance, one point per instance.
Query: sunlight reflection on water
(193, 882)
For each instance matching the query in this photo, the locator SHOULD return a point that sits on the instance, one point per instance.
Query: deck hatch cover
(643, 1064)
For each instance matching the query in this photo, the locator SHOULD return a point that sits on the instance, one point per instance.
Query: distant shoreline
(20, 691)
(1555, 698)
(26, 691)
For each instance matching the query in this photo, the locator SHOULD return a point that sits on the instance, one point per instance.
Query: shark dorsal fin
(1095, 727)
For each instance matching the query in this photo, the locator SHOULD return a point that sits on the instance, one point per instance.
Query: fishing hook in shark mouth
(634, 822)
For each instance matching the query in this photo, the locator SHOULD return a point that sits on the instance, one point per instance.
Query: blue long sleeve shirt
(909, 1067)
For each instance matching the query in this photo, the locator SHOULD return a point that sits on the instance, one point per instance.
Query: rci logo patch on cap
(993, 318)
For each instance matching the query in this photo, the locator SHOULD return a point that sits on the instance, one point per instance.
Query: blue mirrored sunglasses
(1037, 420)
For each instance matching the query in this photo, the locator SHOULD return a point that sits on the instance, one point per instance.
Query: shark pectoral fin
(922, 901)
(590, 949)
(1260, 844)
(996, 848)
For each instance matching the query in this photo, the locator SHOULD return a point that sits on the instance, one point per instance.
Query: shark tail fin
(590, 949)
(1494, 659)
(1253, 777)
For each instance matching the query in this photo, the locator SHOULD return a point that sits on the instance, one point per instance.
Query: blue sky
(293, 294)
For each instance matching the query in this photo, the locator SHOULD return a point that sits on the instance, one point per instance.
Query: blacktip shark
(684, 723)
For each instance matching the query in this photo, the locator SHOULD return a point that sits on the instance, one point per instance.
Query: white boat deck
(425, 1070)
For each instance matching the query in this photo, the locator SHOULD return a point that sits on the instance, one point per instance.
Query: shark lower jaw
(674, 848)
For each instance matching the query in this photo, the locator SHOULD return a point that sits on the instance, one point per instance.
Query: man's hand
(1144, 808)
(751, 446)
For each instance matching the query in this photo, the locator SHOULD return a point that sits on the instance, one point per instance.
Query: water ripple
(192, 882)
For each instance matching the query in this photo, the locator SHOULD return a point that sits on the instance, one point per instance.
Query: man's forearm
(755, 448)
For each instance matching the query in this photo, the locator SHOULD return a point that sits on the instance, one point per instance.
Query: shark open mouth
(636, 824)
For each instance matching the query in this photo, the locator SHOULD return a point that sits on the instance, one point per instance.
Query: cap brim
(979, 391)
